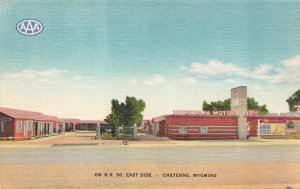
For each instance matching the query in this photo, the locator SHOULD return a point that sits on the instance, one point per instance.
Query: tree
(294, 100)
(217, 105)
(126, 113)
(252, 104)
(224, 105)
(134, 109)
(113, 123)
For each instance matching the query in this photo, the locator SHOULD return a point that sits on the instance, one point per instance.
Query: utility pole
(134, 134)
(258, 129)
(98, 132)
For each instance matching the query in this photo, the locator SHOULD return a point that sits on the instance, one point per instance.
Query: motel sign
(204, 113)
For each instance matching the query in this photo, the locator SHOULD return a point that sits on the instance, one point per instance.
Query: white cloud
(214, 67)
(77, 77)
(189, 80)
(229, 81)
(134, 82)
(33, 74)
(47, 81)
(292, 63)
(263, 69)
(288, 71)
(156, 80)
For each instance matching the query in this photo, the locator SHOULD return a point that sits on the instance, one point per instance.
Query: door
(35, 128)
(25, 129)
(48, 125)
(45, 129)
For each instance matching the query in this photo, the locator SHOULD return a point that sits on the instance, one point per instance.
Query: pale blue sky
(172, 54)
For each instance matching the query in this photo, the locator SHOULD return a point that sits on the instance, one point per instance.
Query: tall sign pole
(239, 106)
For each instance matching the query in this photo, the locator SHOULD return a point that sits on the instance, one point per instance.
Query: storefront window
(265, 129)
(204, 130)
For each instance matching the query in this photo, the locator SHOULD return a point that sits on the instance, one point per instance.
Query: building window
(183, 130)
(40, 124)
(19, 126)
(204, 130)
(265, 129)
(2, 127)
(29, 125)
(155, 128)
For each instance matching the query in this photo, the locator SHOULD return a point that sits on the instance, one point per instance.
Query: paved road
(130, 154)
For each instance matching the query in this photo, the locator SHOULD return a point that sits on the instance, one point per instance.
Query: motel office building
(239, 123)
(219, 127)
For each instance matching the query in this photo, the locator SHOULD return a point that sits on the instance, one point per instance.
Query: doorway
(35, 127)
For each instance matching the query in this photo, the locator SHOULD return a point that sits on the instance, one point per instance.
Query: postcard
(150, 94)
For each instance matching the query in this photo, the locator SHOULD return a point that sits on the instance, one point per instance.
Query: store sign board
(285, 114)
(200, 112)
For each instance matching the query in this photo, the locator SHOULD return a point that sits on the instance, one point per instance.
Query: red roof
(24, 114)
(158, 119)
(69, 120)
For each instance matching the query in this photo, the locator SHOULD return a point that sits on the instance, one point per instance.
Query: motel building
(237, 124)
(70, 124)
(20, 124)
(89, 125)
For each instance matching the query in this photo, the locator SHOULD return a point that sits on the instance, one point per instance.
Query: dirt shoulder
(144, 141)
(228, 175)
(82, 175)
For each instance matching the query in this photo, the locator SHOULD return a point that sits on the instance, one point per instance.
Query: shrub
(106, 136)
(290, 125)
